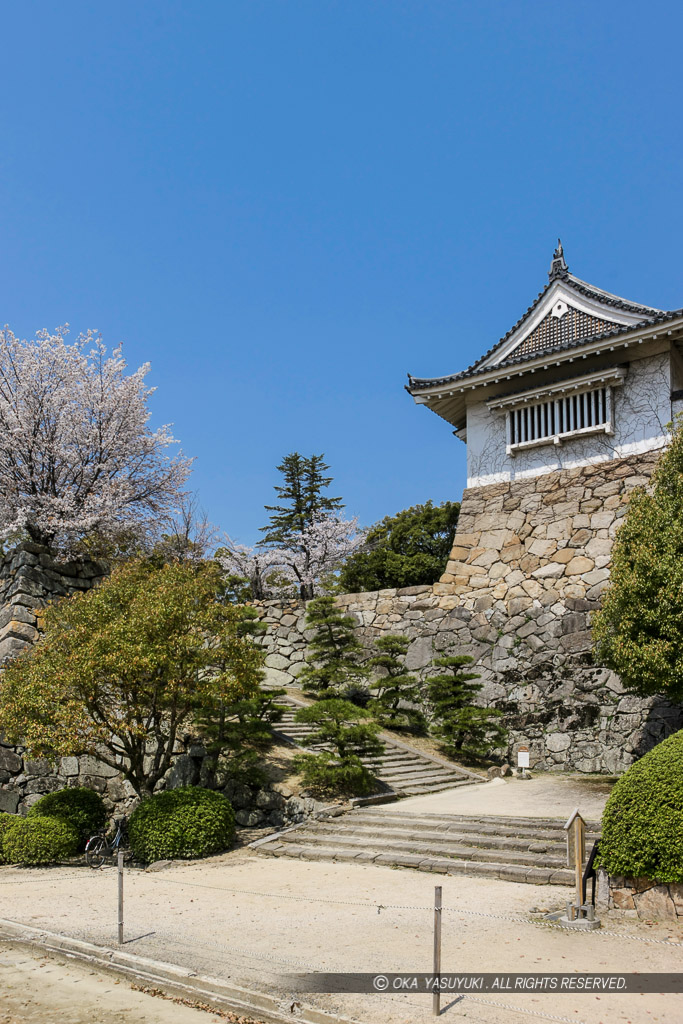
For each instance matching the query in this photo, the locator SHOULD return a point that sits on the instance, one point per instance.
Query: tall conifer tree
(301, 497)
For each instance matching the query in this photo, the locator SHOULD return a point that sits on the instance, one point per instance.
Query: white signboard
(523, 757)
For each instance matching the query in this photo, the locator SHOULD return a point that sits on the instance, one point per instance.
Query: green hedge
(642, 826)
(6, 821)
(38, 841)
(82, 809)
(181, 823)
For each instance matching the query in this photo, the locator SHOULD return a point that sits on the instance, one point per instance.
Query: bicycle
(99, 846)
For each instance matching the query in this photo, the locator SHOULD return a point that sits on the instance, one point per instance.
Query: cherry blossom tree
(254, 565)
(77, 456)
(318, 550)
(312, 554)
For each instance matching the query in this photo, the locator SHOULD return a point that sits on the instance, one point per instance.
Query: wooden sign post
(576, 854)
(523, 760)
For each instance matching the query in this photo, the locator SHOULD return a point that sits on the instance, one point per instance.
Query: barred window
(558, 418)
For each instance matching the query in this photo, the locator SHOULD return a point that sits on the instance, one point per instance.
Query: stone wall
(29, 579)
(529, 563)
(639, 897)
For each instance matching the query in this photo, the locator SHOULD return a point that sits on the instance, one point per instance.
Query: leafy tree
(334, 652)
(462, 726)
(396, 686)
(301, 496)
(351, 733)
(406, 550)
(124, 669)
(639, 630)
(77, 457)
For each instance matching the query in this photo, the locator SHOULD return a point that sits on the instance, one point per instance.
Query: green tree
(236, 734)
(351, 733)
(395, 687)
(460, 725)
(639, 630)
(124, 669)
(301, 497)
(408, 549)
(334, 652)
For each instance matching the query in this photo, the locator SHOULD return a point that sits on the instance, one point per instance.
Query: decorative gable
(563, 325)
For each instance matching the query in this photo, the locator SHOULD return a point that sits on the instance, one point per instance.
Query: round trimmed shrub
(83, 809)
(38, 841)
(6, 821)
(181, 823)
(642, 825)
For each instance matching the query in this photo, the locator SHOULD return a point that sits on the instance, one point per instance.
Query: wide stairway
(407, 771)
(515, 849)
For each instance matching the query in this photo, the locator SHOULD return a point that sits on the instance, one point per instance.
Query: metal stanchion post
(120, 871)
(436, 997)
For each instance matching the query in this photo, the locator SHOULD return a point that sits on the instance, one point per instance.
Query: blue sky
(287, 206)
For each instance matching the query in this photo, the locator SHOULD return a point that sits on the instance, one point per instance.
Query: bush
(6, 820)
(325, 775)
(38, 841)
(82, 809)
(187, 822)
(642, 825)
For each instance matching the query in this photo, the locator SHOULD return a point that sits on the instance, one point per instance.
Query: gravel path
(252, 920)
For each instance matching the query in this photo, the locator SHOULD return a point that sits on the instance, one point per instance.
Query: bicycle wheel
(96, 851)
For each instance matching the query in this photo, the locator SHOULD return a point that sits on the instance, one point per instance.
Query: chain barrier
(519, 1009)
(515, 918)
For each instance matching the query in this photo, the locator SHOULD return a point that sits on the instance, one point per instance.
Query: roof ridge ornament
(558, 267)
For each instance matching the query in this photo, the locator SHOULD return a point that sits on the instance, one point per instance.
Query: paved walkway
(542, 796)
(253, 920)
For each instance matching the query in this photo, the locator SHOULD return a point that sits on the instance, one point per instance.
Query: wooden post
(436, 997)
(120, 870)
(576, 853)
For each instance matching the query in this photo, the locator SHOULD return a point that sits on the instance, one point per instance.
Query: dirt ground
(253, 921)
(47, 990)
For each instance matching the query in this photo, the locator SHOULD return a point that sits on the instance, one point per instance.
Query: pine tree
(351, 733)
(396, 687)
(462, 726)
(302, 499)
(333, 663)
(236, 734)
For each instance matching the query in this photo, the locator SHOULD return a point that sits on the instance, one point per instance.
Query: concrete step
(368, 832)
(438, 865)
(538, 828)
(443, 849)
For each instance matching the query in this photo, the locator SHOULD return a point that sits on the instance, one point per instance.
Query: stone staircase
(407, 771)
(515, 849)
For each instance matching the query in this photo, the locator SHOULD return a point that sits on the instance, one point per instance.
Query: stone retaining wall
(529, 563)
(639, 897)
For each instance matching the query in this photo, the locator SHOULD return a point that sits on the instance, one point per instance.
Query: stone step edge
(325, 826)
(514, 872)
(484, 819)
(395, 825)
(516, 858)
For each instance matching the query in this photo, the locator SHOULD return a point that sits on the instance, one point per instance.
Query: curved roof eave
(417, 384)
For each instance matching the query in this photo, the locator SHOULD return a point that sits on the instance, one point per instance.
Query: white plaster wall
(642, 408)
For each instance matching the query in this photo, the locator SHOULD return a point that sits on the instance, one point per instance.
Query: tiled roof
(419, 383)
(552, 334)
